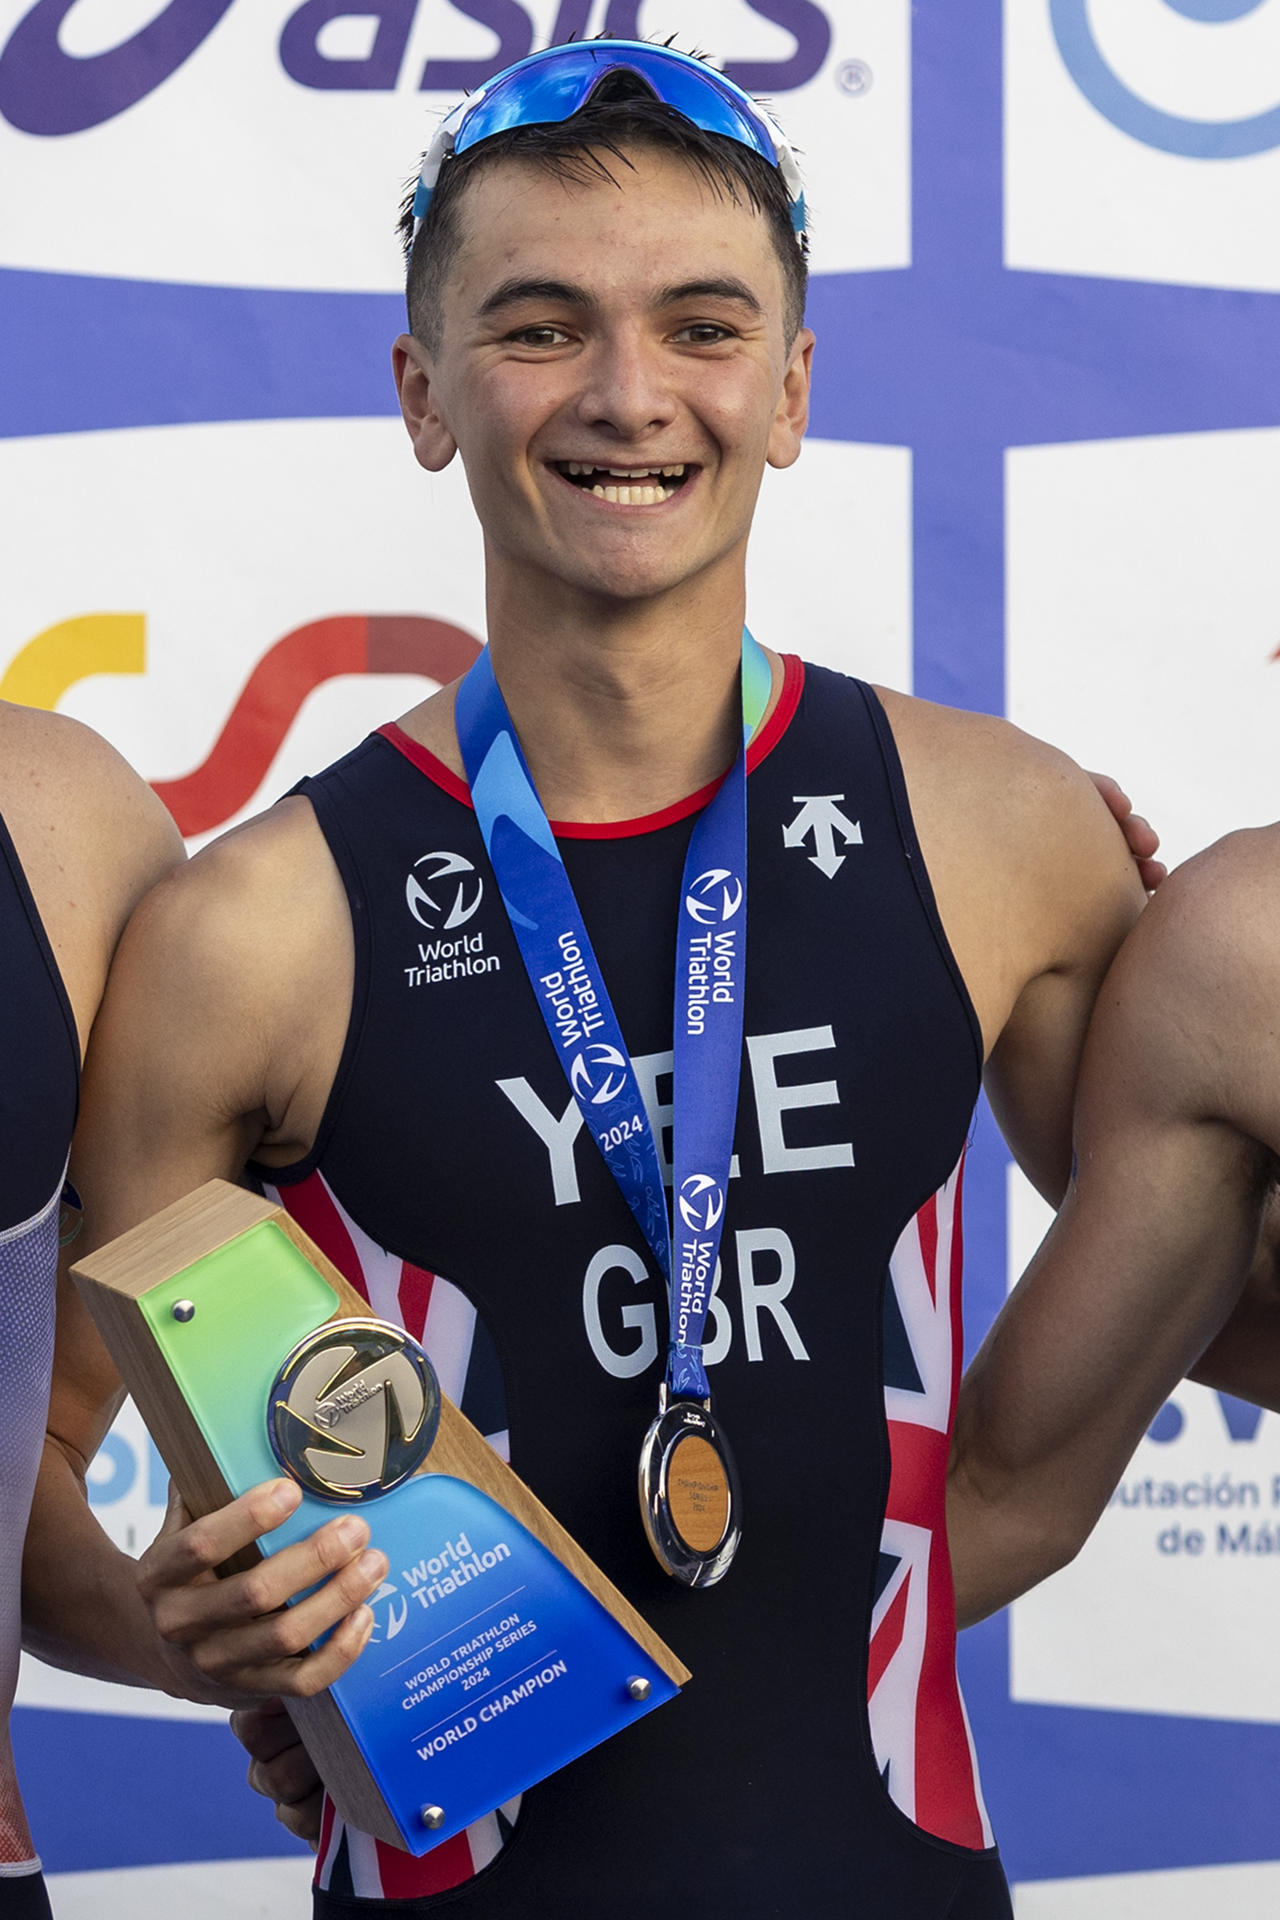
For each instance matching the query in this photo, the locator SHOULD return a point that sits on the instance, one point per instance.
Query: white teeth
(632, 496)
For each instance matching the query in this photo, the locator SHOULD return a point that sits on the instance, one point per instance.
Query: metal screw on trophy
(432, 1817)
(184, 1310)
(638, 1687)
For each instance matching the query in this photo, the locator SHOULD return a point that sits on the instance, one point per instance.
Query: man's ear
(792, 416)
(433, 443)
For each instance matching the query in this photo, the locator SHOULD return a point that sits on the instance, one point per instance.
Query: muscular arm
(1036, 889)
(1175, 1130)
(1077, 896)
(202, 1050)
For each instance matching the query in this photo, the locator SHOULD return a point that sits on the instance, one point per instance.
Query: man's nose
(626, 388)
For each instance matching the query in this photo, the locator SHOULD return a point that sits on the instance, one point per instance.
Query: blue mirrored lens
(552, 86)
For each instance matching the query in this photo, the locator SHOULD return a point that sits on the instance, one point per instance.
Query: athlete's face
(613, 369)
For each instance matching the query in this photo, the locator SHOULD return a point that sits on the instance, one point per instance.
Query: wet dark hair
(621, 114)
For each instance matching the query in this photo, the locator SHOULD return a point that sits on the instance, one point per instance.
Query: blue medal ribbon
(574, 1002)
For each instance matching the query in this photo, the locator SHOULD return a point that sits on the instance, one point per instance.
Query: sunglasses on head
(550, 86)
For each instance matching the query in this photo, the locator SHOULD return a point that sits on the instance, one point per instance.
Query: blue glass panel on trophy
(493, 1664)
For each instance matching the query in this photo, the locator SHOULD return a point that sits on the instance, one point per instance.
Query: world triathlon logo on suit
(443, 892)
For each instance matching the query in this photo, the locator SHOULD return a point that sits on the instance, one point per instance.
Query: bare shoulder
(978, 757)
(257, 901)
(1206, 955)
(61, 783)
(91, 836)
(240, 964)
(1031, 874)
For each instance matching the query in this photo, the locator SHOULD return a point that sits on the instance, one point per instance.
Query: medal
(689, 1495)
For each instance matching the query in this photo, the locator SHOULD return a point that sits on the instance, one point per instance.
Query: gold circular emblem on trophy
(353, 1410)
(698, 1493)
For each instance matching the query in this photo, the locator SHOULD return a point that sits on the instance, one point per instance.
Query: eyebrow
(565, 293)
(720, 289)
(559, 292)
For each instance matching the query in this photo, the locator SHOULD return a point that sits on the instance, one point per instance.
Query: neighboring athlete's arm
(1074, 893)
(207, 994)
(1175, 1118)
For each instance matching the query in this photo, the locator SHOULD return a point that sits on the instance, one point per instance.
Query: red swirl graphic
(275, 690)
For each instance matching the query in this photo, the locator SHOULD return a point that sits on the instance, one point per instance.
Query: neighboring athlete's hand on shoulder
(225, 1639)
(1140, 836)
(281, 1769)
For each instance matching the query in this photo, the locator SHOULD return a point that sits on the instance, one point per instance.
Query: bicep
(1086, 899)
(1152, 1244)
(174, 1072)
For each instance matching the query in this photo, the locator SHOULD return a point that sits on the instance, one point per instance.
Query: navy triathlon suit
(822, 1739)
(39, 1087)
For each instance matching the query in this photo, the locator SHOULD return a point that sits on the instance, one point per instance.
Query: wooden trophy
(500, 1651)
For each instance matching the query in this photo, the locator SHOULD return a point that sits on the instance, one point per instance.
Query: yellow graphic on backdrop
(42, 671)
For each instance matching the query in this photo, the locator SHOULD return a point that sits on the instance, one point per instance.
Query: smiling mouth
(624, 486)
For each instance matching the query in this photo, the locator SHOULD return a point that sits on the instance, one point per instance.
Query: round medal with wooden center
(698, 1493)
(689, 1497)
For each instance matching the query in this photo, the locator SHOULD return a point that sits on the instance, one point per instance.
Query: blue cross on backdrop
(958, 358)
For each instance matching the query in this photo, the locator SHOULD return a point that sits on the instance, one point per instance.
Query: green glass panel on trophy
(254, 1298)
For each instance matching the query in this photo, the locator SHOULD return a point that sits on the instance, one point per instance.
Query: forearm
(1007, 1532)
(81, 1607)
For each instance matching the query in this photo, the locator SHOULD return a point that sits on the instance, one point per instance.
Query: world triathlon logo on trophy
(247, 1351)
(354, 1410)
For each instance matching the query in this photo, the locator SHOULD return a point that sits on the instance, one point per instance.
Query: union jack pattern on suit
(919, 1728)
(439, 1315)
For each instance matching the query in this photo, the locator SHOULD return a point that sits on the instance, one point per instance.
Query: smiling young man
(871, 901)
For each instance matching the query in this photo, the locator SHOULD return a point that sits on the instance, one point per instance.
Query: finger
(264, 1731)
(306, 1675)
(1141, 835)
(187, 1613)
(183, 1553)
(271, 1656)
(329, 1662)
(1151, 873)
(303, 1819)
(1113, 793)
(289, 1778)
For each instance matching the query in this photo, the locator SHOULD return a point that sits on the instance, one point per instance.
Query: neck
(622, 720)
(621, 710)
